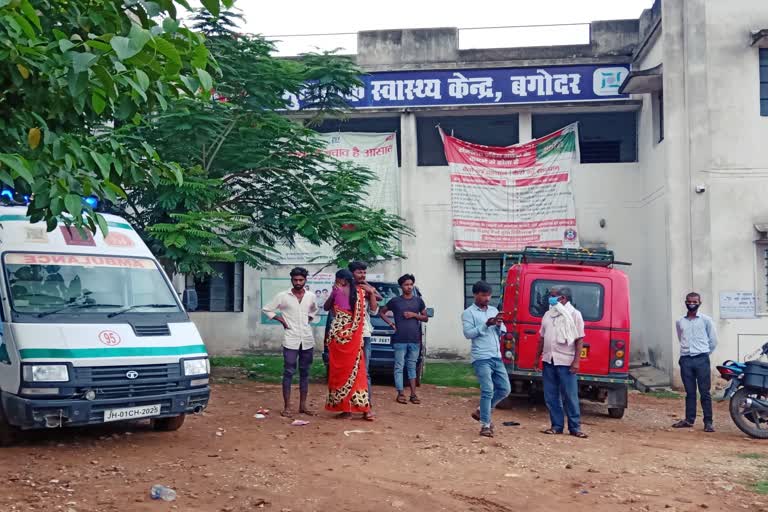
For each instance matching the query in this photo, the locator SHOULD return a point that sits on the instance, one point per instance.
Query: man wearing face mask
(560, 342)
(698, 340)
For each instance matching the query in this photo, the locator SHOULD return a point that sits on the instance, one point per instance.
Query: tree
(255, 178)
(69, 71)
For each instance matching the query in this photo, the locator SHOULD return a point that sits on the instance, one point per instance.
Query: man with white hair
(560, 342)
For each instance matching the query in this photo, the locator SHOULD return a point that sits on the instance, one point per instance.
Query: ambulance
(92, 331)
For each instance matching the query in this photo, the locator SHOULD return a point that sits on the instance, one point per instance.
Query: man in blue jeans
(483, 325)
(408, 311)
(560, 342)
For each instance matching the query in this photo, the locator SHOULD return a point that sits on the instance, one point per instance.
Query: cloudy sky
(300, 23)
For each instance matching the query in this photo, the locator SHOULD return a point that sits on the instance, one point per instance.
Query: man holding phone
(483, 325)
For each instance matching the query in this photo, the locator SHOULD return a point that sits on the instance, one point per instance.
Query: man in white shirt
(560, 343)
(295, 309)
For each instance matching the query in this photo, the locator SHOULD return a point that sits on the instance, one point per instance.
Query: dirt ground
(425, 457)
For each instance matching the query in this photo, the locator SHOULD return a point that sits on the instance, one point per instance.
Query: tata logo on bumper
(132, 375)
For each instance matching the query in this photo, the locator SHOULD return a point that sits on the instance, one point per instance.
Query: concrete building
(673, 178)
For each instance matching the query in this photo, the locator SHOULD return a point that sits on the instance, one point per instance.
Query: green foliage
(72, 69)
(255, 178)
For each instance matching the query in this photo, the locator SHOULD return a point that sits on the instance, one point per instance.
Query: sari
(347, 375)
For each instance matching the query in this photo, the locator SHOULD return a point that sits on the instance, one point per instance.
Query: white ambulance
(92, 331)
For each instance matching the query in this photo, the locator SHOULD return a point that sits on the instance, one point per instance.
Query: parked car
(382, 353)
(600, 293)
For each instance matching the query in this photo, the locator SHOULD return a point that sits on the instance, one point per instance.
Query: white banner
(506, 198)
(377, 152)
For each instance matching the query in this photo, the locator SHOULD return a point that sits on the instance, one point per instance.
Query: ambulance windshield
(66, 284)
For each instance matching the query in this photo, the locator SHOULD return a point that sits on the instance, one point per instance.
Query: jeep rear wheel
(168, 424)
(616, 412)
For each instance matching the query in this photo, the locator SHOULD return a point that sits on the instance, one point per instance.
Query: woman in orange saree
(347, 377)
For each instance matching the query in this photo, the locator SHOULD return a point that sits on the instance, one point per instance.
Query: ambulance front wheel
(9, 435)
(168, 424)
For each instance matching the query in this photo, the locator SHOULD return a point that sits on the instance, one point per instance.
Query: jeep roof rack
(595, 258)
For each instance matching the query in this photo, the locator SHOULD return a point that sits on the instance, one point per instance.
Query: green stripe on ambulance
(88, 353)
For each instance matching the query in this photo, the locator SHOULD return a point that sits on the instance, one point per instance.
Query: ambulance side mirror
(189, 299)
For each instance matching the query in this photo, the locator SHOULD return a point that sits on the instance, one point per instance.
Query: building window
(764, 81)
(487, 130)
(607, 137)
(485, 269)
(364, 125)
(223, 291)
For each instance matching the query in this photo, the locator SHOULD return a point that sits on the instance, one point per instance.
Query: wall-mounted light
(602, 223)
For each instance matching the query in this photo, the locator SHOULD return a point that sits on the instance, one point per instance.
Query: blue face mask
(553, 301)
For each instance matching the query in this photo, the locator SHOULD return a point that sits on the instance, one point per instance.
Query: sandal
(580, 435)
(415, 400)
(401, 399)
(476, 415)
(287, 413)
(551, 432)
(369, 416)
(486, 432)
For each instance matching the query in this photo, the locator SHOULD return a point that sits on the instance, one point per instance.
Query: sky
(291, 17)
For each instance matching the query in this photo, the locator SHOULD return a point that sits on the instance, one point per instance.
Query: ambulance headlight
(196, 367)
(46, 373)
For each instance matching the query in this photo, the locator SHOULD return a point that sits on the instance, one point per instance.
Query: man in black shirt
(408, 311)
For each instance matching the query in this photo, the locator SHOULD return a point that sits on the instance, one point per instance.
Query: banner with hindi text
(506, 198)
(375, 151)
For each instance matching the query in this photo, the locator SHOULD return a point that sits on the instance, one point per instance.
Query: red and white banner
(506, 198)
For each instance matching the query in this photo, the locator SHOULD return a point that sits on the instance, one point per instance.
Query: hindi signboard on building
(506, 198)
(737, 305)
(375, 151)
(499, 86)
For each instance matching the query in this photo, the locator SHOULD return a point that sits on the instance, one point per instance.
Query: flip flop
(476, 415)
(580, 435)
(415, 400)
(286, 413)
(307, 412)
(401, 399)
(369, 416)
(551, 432)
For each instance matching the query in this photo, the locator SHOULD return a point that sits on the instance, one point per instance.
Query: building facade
(673, 176)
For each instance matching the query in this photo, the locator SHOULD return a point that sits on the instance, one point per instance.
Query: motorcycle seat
(759, 364)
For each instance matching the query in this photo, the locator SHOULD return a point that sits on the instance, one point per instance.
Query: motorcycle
(748, 392)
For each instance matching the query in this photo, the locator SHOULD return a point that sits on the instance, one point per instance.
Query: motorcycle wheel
(749, 421)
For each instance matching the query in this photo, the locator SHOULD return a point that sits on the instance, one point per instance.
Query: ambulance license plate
(380, 340)
(584, 352)
(131, 413)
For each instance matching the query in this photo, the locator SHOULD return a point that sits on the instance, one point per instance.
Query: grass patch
(665, 394)
(270, 369)
(761, 487)
(753, 456)
(452, 375)
(266, 368)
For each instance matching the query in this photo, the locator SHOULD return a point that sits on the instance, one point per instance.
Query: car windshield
(65, 284)
(387, 291)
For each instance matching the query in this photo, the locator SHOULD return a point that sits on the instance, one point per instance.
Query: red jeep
(600, 292)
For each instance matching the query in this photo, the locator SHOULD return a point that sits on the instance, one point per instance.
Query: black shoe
(683, 424)
(708, 427)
